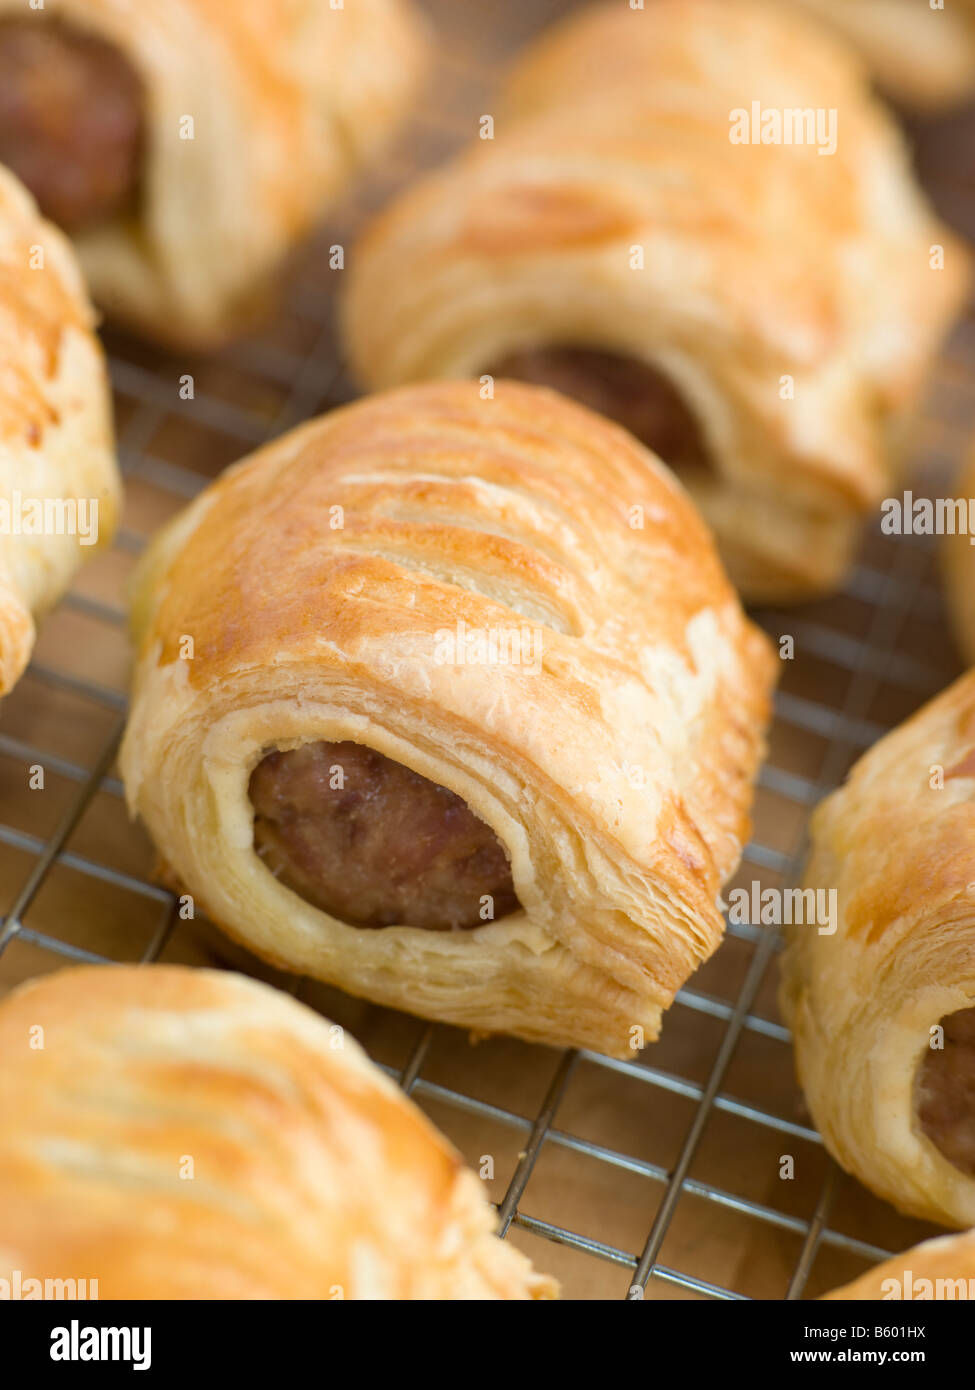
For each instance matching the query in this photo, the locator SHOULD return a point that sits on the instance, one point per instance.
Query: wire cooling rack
(667, 1176)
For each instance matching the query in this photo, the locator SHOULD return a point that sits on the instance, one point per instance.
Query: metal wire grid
(895, 596)
(868, 661)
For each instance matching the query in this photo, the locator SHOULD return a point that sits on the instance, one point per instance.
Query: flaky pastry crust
(788, 295)
(616, 771)
(897, 843)
(55, 421)
(287, 100)
(176, 1133)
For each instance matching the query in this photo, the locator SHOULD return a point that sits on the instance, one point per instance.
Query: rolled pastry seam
(187, 1134)
(515, 612)
(939, 1269)
(958, 564)
(921, 55)
(59, 486)
(613, 241)
(883, 1010)
(188, 146)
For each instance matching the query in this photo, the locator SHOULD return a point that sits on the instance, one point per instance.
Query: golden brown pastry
(958, 562)
(761, 315)
(186, 145)
(469, 717)
(59, 488)
(937, 1269)
(176, 1133)
(921, 55)
(883, 1011)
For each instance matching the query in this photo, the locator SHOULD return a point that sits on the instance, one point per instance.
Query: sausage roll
(883, 1010)
(958, 563)
(447, 701)
(921, 55)
(937, 1269)
(59, 488)
(186, 145)
(176, 1133)
(758, 314)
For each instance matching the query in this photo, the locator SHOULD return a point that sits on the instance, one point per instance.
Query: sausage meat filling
(946, 1092)
(71, 120)
(632, 393)
(373, 843)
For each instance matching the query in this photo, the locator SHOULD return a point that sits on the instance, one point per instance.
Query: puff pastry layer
(56, 443)
(254, 117)
(958, 563)
(937, 1269)
(331, 586)
(922, 56)
(788, 296)
(882, 1010)
(181, 1133)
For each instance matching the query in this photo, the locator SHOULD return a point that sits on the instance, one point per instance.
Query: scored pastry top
(56, 441)
(793, 292)
(320, 582)
(178, 1133)
(43, 306)
(454, 509)
(606, 134)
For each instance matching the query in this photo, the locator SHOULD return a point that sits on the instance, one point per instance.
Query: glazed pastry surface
(882, 1011)
(785, 298)
(556, 708)
(59, 486)
(192, 1134)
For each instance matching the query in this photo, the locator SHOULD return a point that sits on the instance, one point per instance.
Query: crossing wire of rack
(691, 1171)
